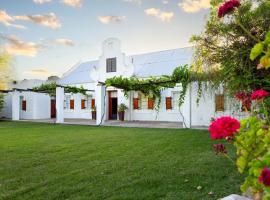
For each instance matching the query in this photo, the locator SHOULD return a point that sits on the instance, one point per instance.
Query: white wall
(37, 106)
(162, 114)
(7, 110)
(201, 114)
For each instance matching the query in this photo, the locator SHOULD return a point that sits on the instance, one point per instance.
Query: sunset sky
(47, 37)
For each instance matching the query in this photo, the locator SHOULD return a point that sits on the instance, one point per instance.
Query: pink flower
(219, 149)
(245, 98)
(228, 7)
(265, 176)
(259, 94)
(223, 127)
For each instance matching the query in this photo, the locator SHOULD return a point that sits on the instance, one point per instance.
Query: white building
(114, 62)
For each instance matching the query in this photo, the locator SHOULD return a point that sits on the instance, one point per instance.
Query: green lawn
(41, 161)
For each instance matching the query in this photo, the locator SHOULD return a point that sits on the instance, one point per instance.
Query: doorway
(113, 103)
(53, 108)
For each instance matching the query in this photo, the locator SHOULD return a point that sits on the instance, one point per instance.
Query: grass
(41, 161)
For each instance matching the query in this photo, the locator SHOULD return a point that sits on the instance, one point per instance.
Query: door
(113, 105)
(53, 108)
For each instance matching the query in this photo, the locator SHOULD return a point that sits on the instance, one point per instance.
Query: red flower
(223, 127)
(259, 94)
(228, 7)
(265, 176)
(219, 149)
(245, 98)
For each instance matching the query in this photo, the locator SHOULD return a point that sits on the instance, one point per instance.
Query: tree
(6, 72)
(226, 44)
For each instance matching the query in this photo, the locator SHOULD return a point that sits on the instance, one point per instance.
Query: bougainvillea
(228, 7)
(219, 149)
(265, 176)
(259, 94)
(223, 127)
(245, 99)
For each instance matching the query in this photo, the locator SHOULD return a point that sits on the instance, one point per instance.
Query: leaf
(256, 51)
(265, 61)
(267, 38)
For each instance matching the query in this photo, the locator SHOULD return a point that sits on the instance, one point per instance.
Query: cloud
(139, 2)
(73, 3)
(165, 1)
(41, 1)
(163, 16)
(8, 20)
(15, 46)
(50, 20)
(40, 72)
(63, 41)
(192, 6)
(111, 19)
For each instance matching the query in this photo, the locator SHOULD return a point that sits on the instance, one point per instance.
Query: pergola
(100, 95)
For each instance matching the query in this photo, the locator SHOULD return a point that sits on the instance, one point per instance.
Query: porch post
(15, 105)
(59, 105)
(100, 94)
(187, 108)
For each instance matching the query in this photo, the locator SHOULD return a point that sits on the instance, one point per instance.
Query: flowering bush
(228, 7)
(223, 127)
(259, 94)
(245, 99)
(265, 176)
(239, 46)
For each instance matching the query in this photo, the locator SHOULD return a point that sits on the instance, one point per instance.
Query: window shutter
(135, 103)
(24, 105)
(219, 101)
(168, 103)
(93, 103)
(82, 104)
(150, 103)
(113, 64)
(71, 104)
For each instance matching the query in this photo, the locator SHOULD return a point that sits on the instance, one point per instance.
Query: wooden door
(53, 108)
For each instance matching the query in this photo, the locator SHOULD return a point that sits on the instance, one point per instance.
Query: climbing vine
(50, 88)
(153, 86)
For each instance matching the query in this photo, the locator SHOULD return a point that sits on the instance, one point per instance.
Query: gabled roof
(162, 62)
(80, 73)
(145, 65)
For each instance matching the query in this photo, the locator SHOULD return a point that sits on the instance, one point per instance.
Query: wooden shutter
(150, 103)
(108, 65)
(219, 101)
(135, 103)
(93, 103)
(24, 105)
(71, 104)
(113, 64)
(168, 103)
(82, 104)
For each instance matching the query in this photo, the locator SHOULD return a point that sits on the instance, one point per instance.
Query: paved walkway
(116, 123)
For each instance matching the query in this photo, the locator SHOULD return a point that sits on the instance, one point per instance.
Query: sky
(48, 37)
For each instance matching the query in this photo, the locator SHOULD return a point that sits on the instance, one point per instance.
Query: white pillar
(186, 111)
(15, 105)
(60, 104)
(100, 95)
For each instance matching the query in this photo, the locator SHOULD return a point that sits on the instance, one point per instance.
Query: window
(219, 101)
(23, 105)
(83, 104)
(67, 102)
(71, 104)
(111, 65)
(150, 103)
(135, 103)
(168, 103)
